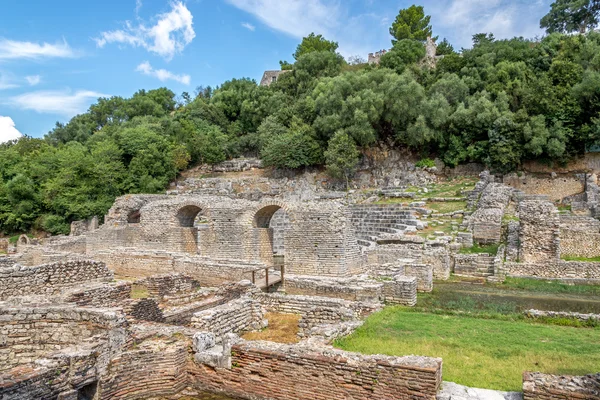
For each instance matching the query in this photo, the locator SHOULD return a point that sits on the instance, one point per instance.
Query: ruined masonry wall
(538, 386)
(295, 373)
(169, 284)
(244, 314)
(101, 296)
(50, 279)
(579, 236)
(30, 333)
(561, 270)
(155, 368)
(539, 233)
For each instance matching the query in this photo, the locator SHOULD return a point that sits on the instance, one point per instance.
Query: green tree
(568, 16)
(342, 157)
(313, 43)
(404, 53)
(411, 23)
(444, 48)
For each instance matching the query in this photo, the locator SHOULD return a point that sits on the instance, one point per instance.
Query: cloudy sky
(57, 57)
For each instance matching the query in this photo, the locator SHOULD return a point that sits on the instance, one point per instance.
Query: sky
(58, 57)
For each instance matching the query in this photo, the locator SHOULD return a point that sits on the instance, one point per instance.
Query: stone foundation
(263, 370)
(538, 386)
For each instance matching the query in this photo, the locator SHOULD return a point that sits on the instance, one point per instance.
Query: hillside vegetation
(499, 103)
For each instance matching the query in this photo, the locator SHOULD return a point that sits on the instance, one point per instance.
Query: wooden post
(282, 269)
(267, 278)
(253, 277)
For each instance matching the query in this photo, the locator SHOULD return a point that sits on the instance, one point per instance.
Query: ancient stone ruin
(152, 303)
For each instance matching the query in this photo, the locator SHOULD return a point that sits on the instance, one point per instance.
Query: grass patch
(139, 292)
(491, 249)
(447, 206)
(551, 287)
(479, 352)
(575, 258)
(283, 328)
(451, 188)
(446, 228)
(14, 239)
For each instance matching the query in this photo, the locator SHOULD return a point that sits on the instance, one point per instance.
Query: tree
(312, 43)
(404, 53)
(568, 16)
(411, 23)
(342, 157)
(444, 48)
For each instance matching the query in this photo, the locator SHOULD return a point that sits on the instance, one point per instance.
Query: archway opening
(188, 215)
(270, 225)
(134, 217)
(262, 218)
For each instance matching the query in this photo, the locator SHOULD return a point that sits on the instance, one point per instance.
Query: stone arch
(188, 212)
(24, 239)
(260, 216)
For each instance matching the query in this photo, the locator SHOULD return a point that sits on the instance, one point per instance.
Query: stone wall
(560, 270)
(79, 228)
(155, 368)
(50, 279)
(263, 370)
(478, 265)
(395, 289)
(539, 231)
(556, 187)
(100, 295)
(539, 386)
(29, 333)
(414, 250)
(168, 284)
(579, 236)
(244, 314)
(486, 221)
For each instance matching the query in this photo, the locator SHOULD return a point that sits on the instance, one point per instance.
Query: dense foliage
(499, 103)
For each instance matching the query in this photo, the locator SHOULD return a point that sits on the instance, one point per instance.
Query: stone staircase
(474, 265)
(373, 221)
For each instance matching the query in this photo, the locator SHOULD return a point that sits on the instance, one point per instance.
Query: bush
(425, 163)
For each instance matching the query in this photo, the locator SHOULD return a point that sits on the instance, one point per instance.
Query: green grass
(491, 249)
(478, 352)
(14, 239)
(550, 287)
(447, 206)
(139, 292)
(575, 258)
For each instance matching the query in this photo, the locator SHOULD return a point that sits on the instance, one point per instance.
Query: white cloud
(65, 102)
(162, 74)
(33, 80)
(461, 19)
(138, 6)
(8, 131)
(11, 49)
(249, 26)
(172, 32)
(297, 18)
(6, 83)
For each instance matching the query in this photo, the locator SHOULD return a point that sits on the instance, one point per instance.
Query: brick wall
(538, 386)
(50, 279)
(155, 368)
(262, 370)
(579, 236)
(101, 296)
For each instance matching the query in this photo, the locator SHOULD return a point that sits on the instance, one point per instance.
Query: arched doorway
(194, 221)
(270, 224)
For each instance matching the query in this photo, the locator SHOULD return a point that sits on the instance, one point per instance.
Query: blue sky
(57, 57)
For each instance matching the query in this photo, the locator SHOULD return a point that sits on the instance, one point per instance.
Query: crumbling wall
(551, 185)
(478, 265)
(539, 386)
(539, 232)
(29, 333)
(560, 270)
(579, 236)
(168, 284)
(50, 279)
(244, 314)
(100, 295)
(289, 372)
(486, 221)
(154, 368)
